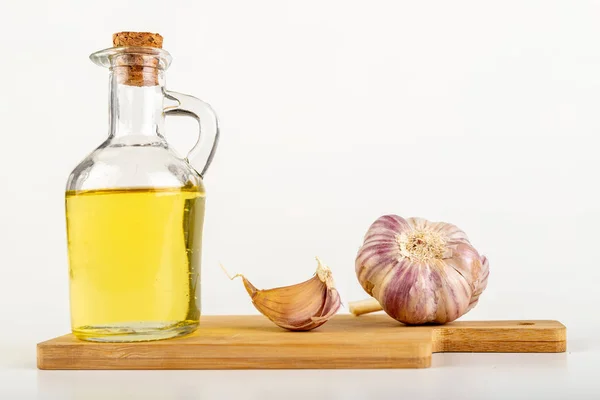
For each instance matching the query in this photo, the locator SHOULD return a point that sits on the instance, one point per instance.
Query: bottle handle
(207, 122)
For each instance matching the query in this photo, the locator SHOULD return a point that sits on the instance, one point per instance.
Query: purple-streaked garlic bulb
(420, 271)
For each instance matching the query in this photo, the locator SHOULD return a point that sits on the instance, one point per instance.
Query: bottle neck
(136, 111)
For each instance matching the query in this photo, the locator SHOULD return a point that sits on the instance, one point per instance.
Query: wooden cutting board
(253, 342)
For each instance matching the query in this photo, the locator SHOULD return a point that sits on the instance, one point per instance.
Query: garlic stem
(364, 306)
(231, 277)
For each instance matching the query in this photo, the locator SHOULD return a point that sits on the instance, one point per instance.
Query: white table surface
(571, 375)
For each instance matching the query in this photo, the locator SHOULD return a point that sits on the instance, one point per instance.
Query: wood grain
(253, 342)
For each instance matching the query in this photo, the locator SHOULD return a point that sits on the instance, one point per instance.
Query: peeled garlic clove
(300, 307)
(364, 306)
(420, 271)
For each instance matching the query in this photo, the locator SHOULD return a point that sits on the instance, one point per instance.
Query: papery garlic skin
(420, 271)
(299, 307)
(481, 283)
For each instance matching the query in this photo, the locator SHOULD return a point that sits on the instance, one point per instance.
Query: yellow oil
(134, 262)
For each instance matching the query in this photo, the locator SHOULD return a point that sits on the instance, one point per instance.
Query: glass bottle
(135, 208)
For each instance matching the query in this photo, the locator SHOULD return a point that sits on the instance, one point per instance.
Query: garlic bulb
(299, 307)
(419, 271)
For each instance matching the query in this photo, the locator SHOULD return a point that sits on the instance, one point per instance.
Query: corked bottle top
(138, 39)
(136, 69)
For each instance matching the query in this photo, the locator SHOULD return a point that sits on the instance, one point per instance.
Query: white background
(480, 113)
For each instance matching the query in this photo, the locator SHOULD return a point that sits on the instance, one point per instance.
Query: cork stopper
(138, 39)
(136, 69)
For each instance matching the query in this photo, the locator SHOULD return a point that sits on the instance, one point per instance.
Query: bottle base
(135, 331)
